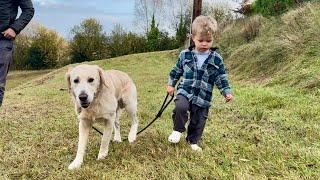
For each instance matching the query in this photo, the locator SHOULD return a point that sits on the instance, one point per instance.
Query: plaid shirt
(197, 84)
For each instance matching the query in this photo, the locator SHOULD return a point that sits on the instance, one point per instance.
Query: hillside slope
(276, 51)
(263, 133)
(270, 130)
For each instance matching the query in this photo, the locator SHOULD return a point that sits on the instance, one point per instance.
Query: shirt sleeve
(222, 79)
(176, 71)
(25, 17)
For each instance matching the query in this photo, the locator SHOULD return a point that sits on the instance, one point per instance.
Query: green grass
(285, 52)
(266, 132)
(16, 78)
(270, 131)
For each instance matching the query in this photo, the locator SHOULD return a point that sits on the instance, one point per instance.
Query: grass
(283, 52)
(267, 132)
(270, 131)
(17, 78)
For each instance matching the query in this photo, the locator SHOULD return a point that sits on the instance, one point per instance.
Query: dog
(101, 95)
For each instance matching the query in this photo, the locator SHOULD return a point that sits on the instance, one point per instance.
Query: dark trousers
(6, 53)
(198, 117)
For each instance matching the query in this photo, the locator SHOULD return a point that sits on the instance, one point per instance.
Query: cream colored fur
(107, 93)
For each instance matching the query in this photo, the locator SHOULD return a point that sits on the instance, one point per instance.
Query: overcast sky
(62, 15)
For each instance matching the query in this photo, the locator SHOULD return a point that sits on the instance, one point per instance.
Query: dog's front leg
(84, 128)
(107, 133)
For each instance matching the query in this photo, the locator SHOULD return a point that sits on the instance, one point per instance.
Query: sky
(63, 15)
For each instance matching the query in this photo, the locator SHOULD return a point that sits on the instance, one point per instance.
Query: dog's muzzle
(83, 97)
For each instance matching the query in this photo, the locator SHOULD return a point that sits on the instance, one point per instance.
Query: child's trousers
(198, 117)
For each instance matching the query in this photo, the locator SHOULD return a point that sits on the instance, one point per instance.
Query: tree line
(45, 49)
(164, 25)
(42, 48)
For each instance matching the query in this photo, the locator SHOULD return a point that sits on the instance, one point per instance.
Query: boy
(201, 68)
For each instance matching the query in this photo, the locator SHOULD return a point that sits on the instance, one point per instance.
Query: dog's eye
(76, 81)
(90, 80)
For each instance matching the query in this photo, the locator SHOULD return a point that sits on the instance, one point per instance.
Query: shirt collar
(212, 51)
(190, 48)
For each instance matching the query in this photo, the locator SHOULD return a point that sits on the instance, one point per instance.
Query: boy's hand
(170, 90)
(228, 97)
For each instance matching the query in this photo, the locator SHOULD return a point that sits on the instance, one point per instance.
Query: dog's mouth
(85, 104)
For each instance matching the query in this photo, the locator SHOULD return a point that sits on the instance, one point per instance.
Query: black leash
(163, 107)
(98, 130)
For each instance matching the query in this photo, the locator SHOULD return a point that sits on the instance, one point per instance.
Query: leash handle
(164, 105)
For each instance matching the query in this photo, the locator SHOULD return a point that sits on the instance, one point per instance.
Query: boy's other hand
(228, 97)
(170, 90)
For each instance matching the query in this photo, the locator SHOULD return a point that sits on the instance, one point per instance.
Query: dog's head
(84, 82)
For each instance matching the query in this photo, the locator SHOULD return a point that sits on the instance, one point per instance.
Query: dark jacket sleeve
(25, 17)
(176, 72)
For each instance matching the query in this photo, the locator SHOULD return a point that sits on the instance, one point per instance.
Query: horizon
(61, 16)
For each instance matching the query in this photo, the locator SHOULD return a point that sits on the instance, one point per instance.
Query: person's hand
(9, 33)
(170, 90)
(228, 97)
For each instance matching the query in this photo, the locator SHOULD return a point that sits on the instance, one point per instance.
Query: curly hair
(204, 26)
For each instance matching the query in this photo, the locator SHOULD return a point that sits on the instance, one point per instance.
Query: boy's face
(202, 43)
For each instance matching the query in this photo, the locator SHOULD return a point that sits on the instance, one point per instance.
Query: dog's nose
(83, 97)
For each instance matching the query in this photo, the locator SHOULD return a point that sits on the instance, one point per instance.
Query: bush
(121, 42)
(45, 49)
(275, 7)
(89, 42)
(21, 51)
(251, 28)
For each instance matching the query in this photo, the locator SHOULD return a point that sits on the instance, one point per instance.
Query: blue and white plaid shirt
(197, 84)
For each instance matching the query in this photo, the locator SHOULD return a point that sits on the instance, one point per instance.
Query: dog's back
(122, 83)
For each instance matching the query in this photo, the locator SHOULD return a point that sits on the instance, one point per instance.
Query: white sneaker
(174, 137)
(195, 147)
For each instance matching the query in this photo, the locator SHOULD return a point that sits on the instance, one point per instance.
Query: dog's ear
(103, 80)
(67, 77)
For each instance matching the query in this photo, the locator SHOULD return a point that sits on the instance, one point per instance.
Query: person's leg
(198, 117)
(6, 51)
(180, 117)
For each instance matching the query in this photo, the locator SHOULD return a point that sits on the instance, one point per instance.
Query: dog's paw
(102, 155)
(132, 137)
(74, 165)
(117, 139)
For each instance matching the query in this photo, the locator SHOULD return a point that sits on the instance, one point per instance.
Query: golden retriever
(101, 95)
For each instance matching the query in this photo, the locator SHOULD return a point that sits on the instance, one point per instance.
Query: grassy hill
(270, 130)
(276, 51)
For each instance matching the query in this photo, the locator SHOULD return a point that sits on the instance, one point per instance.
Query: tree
(144, 9)
(89, 42)
(153, 36)
(44, 49)
(121, 42)
(181, 33)
(21, 52)
(166, 42)
(116, 41)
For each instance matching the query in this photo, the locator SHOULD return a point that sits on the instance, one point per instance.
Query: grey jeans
(198, 118)
(6, 53)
